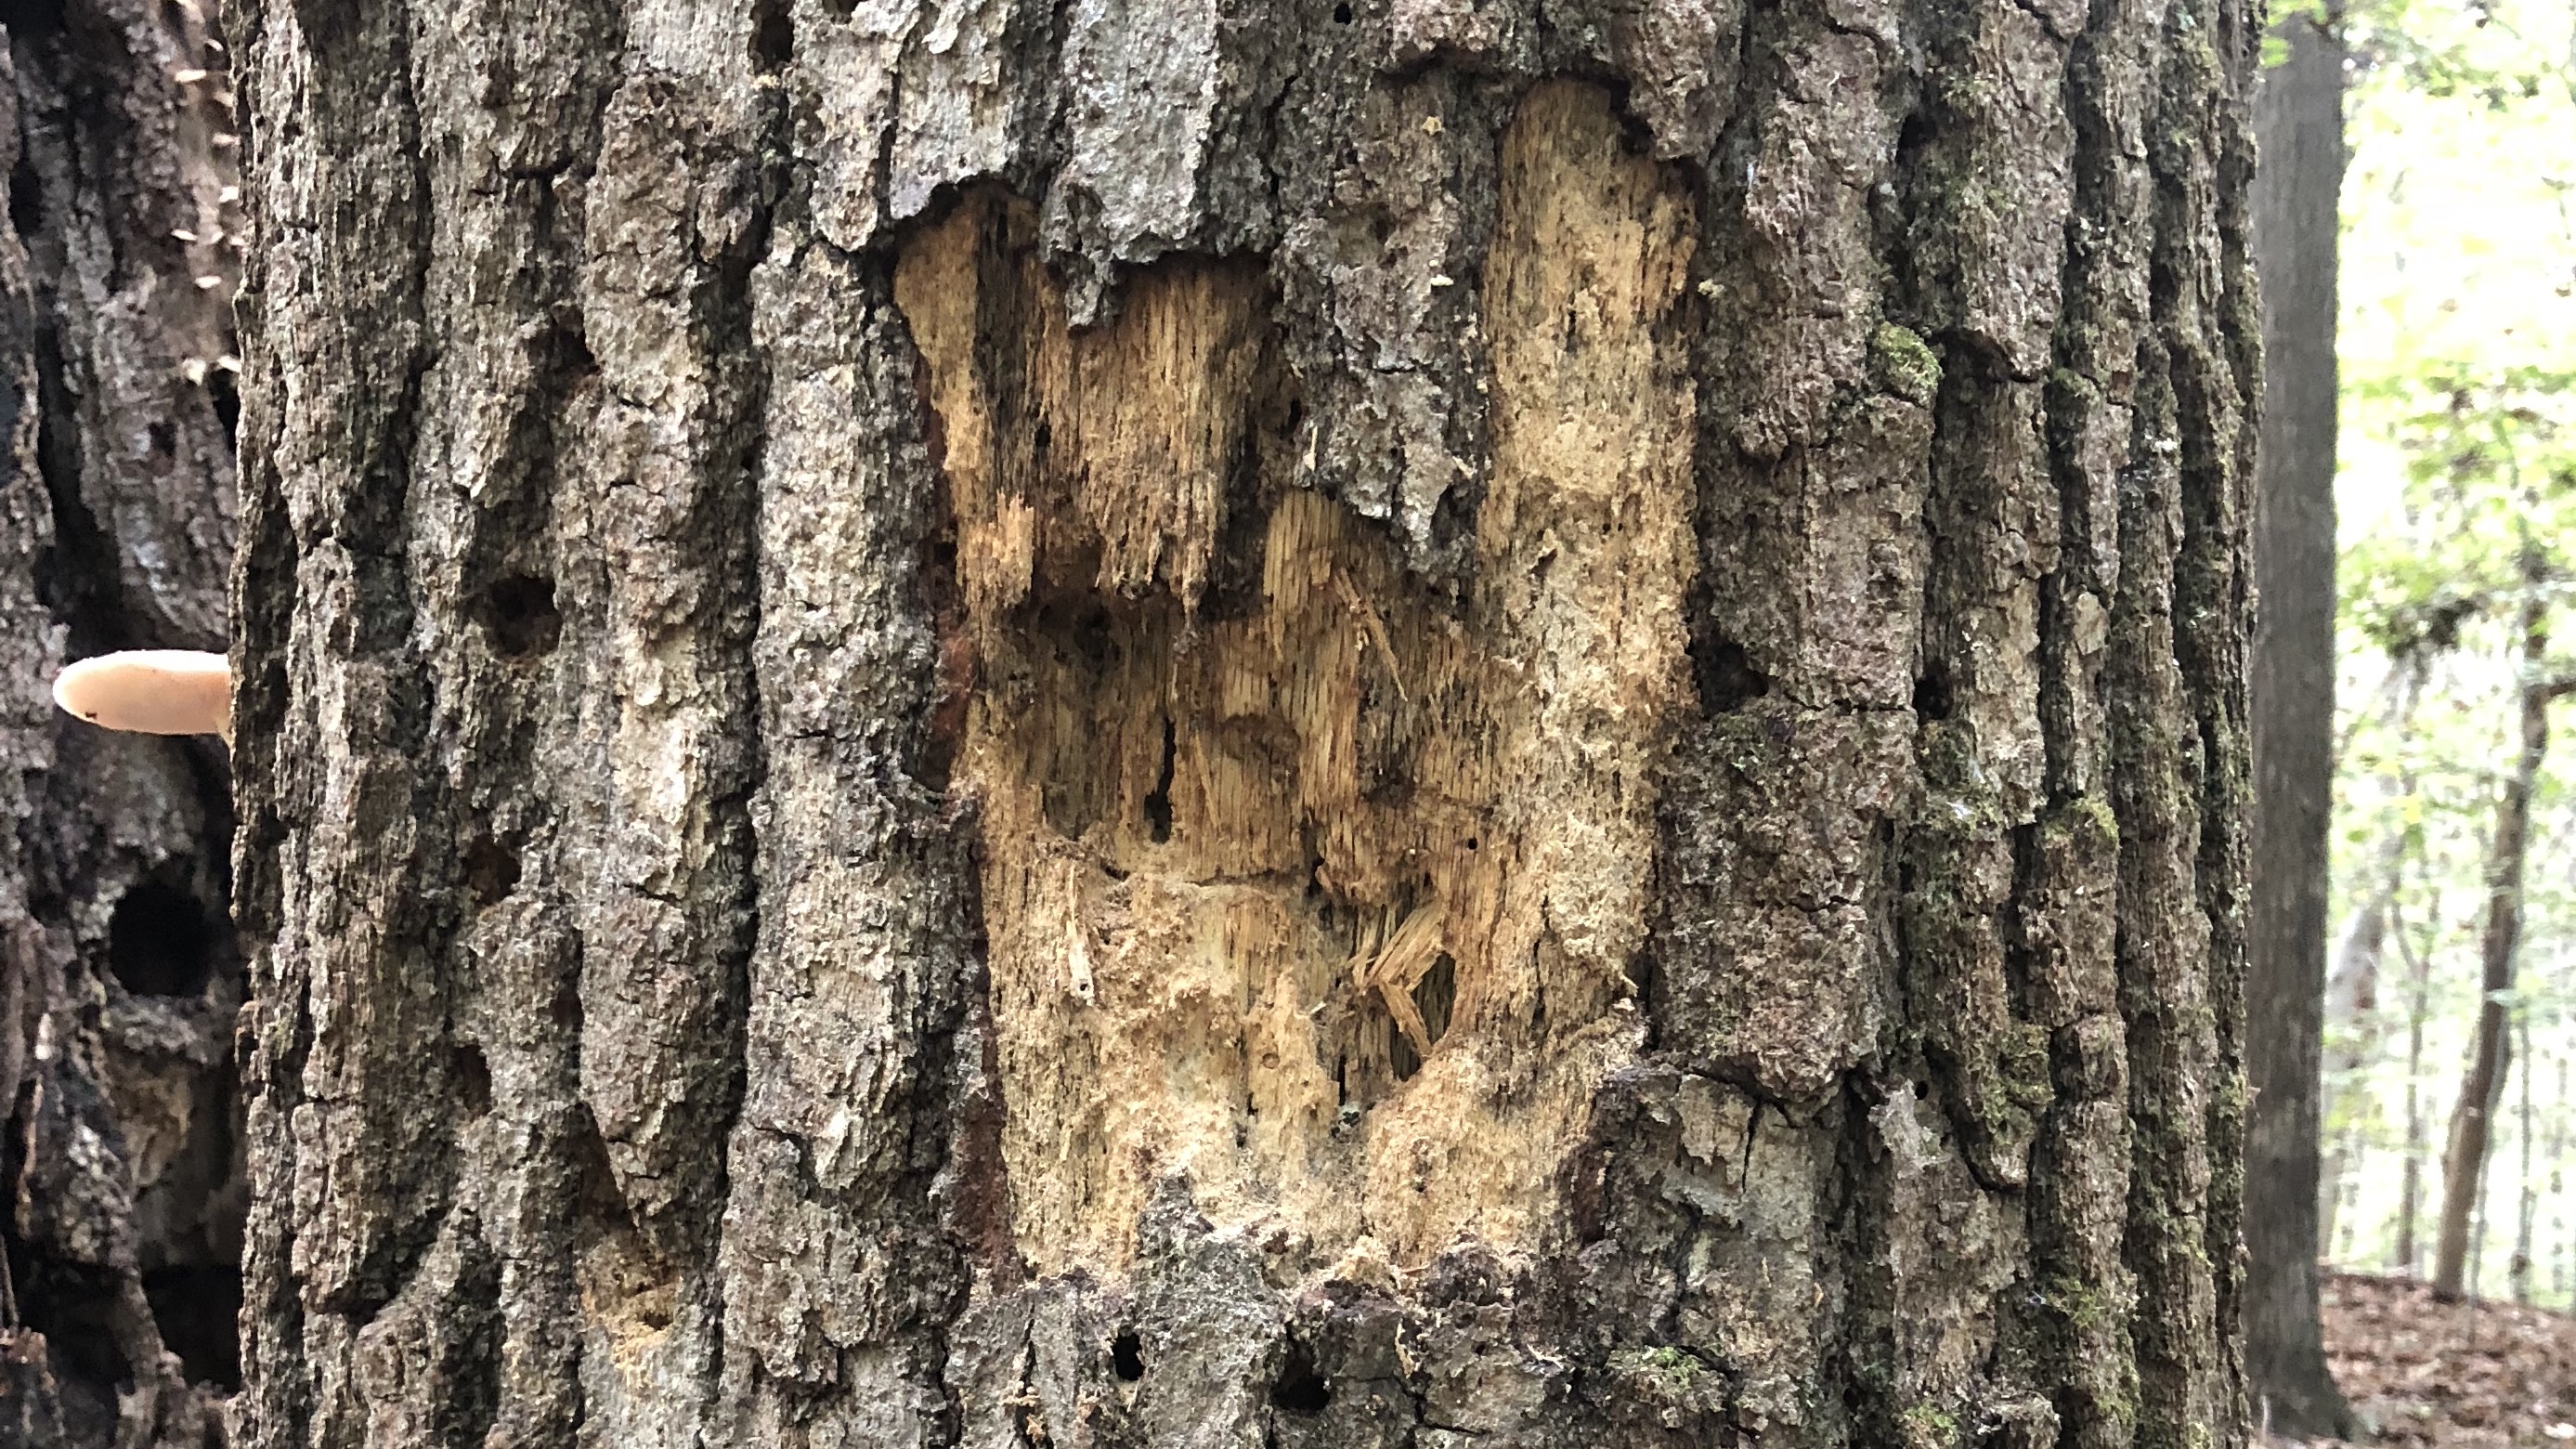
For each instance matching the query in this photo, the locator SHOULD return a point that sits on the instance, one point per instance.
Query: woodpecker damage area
(1309, 881)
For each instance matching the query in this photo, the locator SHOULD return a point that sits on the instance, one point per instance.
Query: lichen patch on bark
(1315, 885)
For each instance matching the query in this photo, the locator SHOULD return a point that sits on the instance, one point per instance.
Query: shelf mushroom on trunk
(151, 691)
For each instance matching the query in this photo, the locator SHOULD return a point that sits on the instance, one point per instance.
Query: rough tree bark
(1335, 723)
(119, 981)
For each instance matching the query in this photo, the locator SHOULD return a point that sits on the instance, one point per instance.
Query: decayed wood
(1342, 723)
(1230, 832)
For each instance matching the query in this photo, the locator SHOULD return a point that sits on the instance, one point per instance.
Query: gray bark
(119, 980)
(2299, 129)
(1210, 724)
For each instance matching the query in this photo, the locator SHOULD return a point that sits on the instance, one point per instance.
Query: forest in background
(2457, 520)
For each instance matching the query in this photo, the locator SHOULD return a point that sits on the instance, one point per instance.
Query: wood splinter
(1399, 966)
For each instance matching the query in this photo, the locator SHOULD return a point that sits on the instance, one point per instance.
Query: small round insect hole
(491, 870)
(472, 1076)
(518, 615)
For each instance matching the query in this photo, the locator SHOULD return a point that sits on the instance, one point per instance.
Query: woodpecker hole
(1299, 1389)
(1727, 678)
(519, 617)
(1158, 805)
(162, 941)
(773, 35)
(473, 1077)
(491, 871)
(197, 1309)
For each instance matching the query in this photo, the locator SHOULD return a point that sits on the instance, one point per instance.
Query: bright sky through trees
(2459, 228)
(2458, 453)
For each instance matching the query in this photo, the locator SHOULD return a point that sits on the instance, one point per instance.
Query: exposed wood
(1229, 834)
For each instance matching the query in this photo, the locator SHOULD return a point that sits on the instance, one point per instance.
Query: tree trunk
(2299, 130)
(2407, 1257)
(1211, 725)
(2527, 1197)
(2557, 1154)
(119, 981)
(2482, 1084)
(2348, 1024)
(2352, 1143)
(2351, 1023)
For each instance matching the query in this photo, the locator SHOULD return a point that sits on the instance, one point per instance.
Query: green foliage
(2439, 49)
(2490, 468)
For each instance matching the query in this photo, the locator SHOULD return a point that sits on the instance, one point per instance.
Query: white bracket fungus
(151, 691)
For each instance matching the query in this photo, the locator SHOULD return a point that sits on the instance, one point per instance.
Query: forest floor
(2452, 1375)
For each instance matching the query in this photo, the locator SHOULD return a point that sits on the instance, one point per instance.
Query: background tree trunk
(2349, 1028)
(2299, 130)
(2352, 1027)
(2406, 1256)
(2556, 1154)
(1191, 724)
(2526, 1188)
(119, 981)
(2464, 1160)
